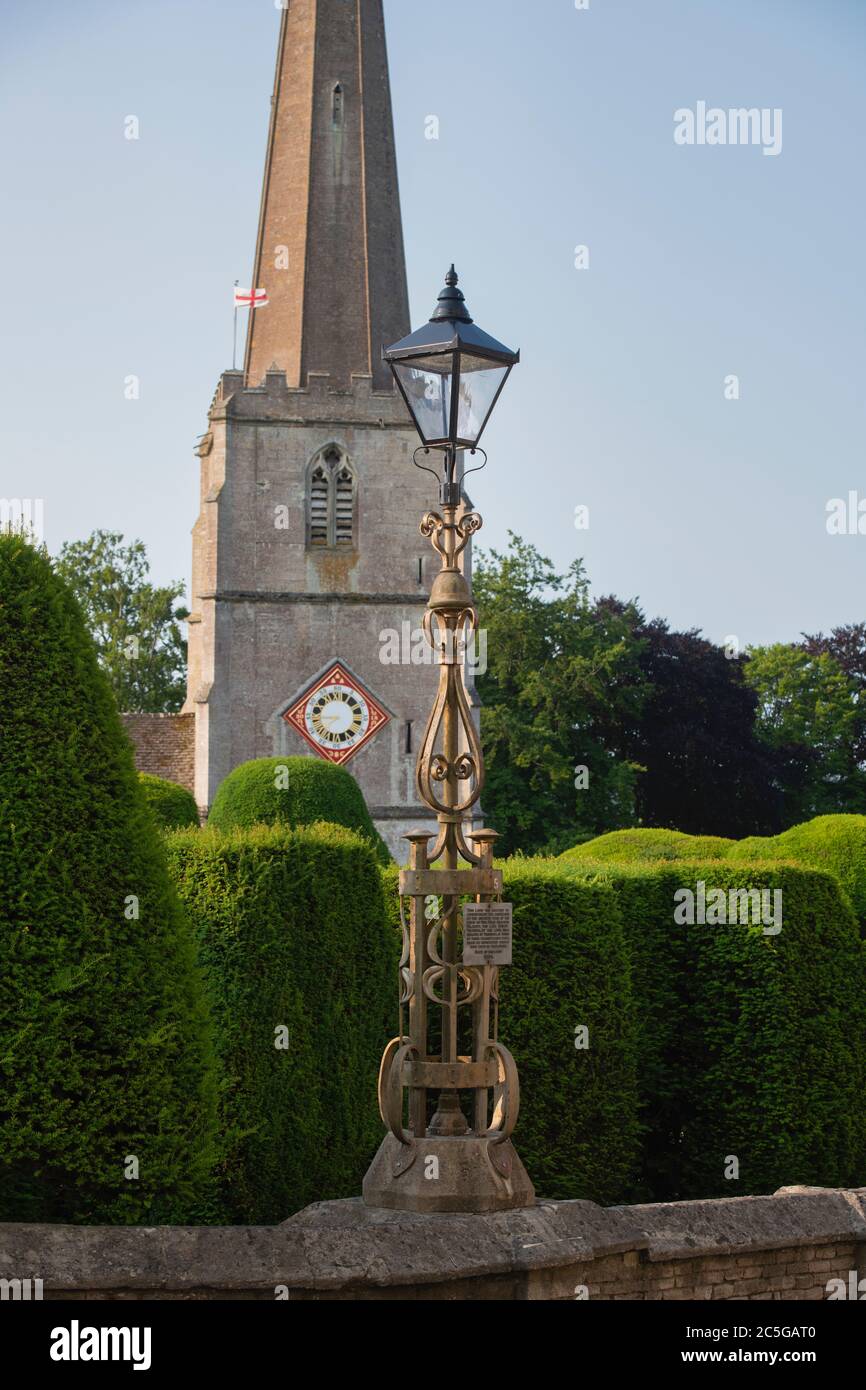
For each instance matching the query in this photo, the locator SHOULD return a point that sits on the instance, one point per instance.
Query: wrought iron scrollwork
(448, 640)
(450, 778)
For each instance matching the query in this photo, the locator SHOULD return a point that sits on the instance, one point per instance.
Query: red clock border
(337, 675)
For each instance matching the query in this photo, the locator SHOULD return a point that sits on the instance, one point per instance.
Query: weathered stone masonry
(784, 1247)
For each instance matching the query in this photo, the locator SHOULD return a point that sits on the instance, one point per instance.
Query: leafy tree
(847, 647)
(707, 773)
(808, 713)
(673, 731)
(560, 687)
(135, 625)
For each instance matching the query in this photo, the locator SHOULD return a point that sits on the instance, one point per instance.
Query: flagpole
(235, 348)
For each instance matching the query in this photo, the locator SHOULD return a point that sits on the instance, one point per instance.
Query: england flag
(250, 299)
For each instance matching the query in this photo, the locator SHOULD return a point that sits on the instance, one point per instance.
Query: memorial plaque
(487, 934)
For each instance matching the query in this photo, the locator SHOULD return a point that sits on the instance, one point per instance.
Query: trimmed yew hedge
(782, 1081)
(752, 1045)
(639, 846)
(104, 1039)
(293, 791)
(292, 935)
(644, 898)
(172, 806)
(578, 1129)
(836, 844)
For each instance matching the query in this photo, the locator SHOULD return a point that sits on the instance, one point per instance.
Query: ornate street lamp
(450, 374)
(457, 933)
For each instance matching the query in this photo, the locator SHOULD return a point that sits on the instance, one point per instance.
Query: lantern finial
(452, 304)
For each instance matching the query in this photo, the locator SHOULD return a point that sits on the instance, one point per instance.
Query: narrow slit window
(337, 109)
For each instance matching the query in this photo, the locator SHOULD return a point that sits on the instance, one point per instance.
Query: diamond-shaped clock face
(337, 716)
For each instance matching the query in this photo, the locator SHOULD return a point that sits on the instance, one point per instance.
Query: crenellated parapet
(317, 402)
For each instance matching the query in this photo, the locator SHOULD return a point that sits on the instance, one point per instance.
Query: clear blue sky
(556, 129)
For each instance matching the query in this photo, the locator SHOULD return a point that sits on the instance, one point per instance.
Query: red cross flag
(250, 299)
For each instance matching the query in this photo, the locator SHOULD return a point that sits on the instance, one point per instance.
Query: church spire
(330, 244)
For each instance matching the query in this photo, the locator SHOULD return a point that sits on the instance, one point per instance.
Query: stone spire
(330, 244)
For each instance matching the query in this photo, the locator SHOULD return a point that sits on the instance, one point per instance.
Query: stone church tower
(306, 549)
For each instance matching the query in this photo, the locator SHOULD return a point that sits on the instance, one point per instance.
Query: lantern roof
(451, 329)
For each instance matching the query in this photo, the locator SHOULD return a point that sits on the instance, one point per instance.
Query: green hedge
(578, 1128)
(293, 791)
(172, 806)
(836, 844)
(644, 895)
(293, 934)
(752, 1044)
(577, 1133)
(638, 846)
(105, 1051)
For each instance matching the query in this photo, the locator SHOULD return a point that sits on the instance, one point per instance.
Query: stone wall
(785, 1247)
(164, 745)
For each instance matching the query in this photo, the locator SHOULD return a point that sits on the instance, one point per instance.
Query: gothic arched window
(331, 501)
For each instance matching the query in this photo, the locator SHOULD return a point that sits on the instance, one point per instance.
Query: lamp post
(458, 931)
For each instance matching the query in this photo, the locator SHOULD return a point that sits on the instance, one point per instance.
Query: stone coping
(345, 1245)
(792, 1217)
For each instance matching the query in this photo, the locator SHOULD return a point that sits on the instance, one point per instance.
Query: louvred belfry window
(331, 502)
(320, 489)
(345, 505)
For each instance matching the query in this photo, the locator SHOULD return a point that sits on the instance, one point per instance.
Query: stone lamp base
(447, 1174)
